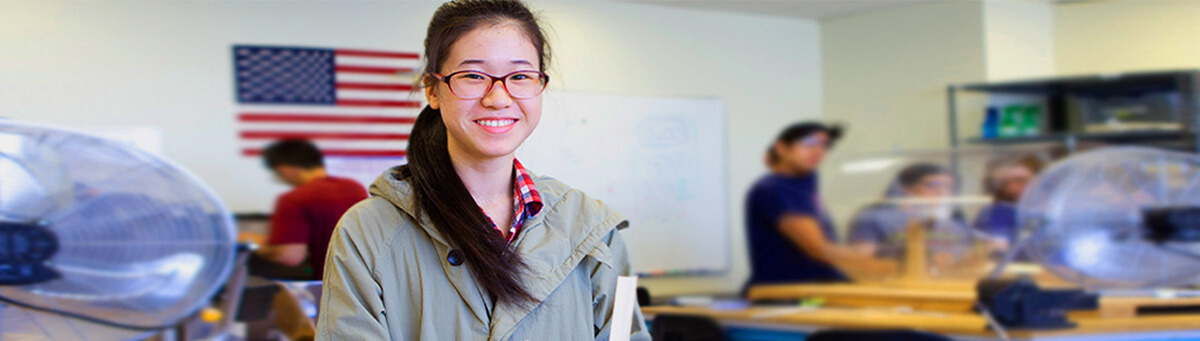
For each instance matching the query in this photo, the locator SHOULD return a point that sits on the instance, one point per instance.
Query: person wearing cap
(789, 235)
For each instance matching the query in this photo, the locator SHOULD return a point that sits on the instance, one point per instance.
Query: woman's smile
(496, 125)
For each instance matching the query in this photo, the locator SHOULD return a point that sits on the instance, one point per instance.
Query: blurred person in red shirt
(305, 217)
(301, 226)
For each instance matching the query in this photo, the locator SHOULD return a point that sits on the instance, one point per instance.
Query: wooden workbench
(958, 326)
(942, 308)
(949, 297)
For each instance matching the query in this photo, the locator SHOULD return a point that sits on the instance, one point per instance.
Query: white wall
(1018, 39)
(1123, 36)
(767, 71)
(885, 76)
(889, 69)
(166, 64)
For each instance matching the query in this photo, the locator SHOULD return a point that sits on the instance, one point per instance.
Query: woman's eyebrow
(471, 62)
(481, 62)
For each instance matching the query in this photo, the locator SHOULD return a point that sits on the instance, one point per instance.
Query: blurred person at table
(1005, 179)
(920, 193)
(789, 234)
(305, 217)
(301, 226)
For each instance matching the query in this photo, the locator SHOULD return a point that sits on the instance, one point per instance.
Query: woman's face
(496, 124)
(933, 186)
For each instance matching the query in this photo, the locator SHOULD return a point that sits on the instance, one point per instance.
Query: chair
(672, 327)
(290, 309)
(643, 297)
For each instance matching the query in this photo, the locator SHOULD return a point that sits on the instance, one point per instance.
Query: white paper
(622, 313)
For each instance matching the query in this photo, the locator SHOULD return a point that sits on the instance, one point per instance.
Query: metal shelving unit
(1060, 95)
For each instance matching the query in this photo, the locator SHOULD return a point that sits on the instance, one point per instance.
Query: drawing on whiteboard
(657, 161)
(664, 131)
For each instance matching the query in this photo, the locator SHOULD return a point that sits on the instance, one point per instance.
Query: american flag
(351, 103)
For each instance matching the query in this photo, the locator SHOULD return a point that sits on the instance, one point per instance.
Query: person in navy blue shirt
(790, 237)
(1005, 180)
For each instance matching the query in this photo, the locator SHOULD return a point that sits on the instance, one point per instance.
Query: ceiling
(807, 9)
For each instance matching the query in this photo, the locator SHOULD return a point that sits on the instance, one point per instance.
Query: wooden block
(947, 297)
(915, 266)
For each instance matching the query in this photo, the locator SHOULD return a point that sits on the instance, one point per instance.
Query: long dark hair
(439, 191)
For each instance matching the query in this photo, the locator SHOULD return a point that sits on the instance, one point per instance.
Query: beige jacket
(387, 277)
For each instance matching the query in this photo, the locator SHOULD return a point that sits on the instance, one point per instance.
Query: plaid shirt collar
(526, 200)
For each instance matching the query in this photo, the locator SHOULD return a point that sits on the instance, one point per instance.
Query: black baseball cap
(802, 130)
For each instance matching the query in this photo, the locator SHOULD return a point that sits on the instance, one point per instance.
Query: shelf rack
(1058, 94)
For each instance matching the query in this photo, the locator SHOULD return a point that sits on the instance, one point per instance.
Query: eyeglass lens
(477, 84)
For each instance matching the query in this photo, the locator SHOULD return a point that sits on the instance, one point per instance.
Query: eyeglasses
(472, 84)
(814, 141)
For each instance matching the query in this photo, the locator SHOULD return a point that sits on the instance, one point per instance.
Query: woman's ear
(431, 96)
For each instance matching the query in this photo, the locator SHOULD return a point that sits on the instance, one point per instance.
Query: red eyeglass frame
(492, 83)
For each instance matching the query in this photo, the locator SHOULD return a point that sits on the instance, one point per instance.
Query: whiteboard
(659, 161)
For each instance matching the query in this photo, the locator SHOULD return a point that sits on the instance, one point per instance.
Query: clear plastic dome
(1085, 217)
(927, 215)
(141, 241)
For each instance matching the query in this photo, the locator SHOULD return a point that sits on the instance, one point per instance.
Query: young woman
(464, 243)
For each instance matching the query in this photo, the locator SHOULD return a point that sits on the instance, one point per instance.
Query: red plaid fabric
(526, 200)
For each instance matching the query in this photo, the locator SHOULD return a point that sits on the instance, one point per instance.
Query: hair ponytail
(439, 191)
(441, 195)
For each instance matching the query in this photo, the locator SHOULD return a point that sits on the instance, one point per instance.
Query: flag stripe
(378, 103)
(339, 152)
(375, 78)
(326, 110)
(380, 54)
(373, 69)
(374, 86)
(379, 95)
(313, 135)
(334, 144)
(367, 61)
(372, 128)
(259, 117)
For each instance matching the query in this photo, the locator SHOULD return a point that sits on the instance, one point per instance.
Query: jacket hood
(398, 192)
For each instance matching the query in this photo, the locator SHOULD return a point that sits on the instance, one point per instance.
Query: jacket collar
(568, 217)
